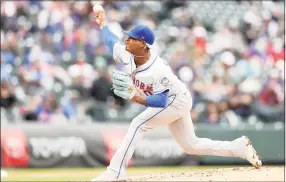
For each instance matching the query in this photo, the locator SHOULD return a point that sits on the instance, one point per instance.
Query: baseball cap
(141, 32)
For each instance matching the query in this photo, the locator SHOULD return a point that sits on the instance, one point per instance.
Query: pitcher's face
(132, 45)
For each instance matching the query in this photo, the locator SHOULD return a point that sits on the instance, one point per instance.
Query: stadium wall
(92, 145)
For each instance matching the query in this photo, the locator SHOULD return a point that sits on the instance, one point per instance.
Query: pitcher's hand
(99, 16)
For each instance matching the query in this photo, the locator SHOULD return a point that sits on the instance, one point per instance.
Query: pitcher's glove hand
(122, 85)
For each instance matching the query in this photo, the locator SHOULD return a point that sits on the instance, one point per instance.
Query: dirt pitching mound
(226, 174)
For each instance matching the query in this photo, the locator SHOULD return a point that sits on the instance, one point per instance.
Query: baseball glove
(122, 85)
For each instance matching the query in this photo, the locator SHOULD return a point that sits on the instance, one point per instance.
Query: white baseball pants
(176, 115)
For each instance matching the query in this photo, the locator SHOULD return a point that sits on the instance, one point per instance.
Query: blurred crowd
(56, 69)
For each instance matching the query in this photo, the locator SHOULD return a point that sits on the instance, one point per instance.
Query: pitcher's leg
(148, 119)
(183, 132)
(126, 149)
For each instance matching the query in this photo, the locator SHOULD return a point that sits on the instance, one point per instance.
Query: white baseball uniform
(155, 76)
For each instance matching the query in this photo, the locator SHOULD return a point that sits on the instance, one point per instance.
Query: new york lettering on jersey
(147, 89)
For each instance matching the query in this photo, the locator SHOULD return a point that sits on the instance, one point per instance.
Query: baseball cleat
(251, 155)
(105, 176)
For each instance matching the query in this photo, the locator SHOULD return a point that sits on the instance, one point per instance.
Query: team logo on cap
(142, 37)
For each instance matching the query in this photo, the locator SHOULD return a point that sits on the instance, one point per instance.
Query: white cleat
(106, 176)
(251, 155)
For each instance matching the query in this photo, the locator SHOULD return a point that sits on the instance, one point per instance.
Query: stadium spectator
(272, 93)
(58, 118)
(8, 98)
(224, 58)
(5, 74)
(69, 106)
(82, 74)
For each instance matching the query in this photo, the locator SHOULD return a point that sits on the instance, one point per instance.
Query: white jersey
(153, 77)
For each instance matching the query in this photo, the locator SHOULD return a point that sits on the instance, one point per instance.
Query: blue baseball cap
(141, 32)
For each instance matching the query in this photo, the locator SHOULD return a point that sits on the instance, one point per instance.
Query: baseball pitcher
(149, 80)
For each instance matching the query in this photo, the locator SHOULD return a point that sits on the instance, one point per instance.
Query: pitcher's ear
(143, 44)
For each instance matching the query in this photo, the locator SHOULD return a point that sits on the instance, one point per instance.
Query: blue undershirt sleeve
(109, 38)
(157, 100)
